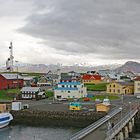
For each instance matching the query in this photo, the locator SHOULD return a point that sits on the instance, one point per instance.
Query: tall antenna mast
(9, 62)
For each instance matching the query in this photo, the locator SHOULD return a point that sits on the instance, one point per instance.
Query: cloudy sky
(70, 31)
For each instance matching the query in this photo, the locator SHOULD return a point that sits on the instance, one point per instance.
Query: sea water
(36, 133)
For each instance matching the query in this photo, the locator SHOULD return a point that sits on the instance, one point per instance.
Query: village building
(9, 81)
(48, 79)
(120, 88)
(70, 90)
(32, 93)
(91, 79)
(137, 86)
(65, 77)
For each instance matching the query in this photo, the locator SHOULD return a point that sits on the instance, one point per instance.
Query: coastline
(54, 118)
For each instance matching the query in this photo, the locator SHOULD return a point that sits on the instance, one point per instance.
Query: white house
(32, 93)
(70, 90)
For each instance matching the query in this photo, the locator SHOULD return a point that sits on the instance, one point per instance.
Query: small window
(110, 90)
(113, 85)
(63, 86)
(110, 85)
(75, 86)
(68, 91)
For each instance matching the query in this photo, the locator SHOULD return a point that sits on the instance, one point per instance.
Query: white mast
(9, 62)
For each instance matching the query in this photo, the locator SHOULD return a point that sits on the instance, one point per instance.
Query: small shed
(102, 107)
(41, 95)
(3, 107)
(16, 106)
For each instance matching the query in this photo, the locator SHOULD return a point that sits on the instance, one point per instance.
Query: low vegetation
(101, 97)
(49, 93)
(96, 87)
(8, 94)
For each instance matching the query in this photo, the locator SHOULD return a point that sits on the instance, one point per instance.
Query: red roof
(137, 78)
(91, 77)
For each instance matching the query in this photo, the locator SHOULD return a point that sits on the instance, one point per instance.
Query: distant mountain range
(42, 68)
(130, 66)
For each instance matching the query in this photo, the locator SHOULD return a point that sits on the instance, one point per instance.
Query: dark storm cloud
(108, 28)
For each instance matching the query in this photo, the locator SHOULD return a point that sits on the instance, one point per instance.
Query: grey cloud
(109, 28)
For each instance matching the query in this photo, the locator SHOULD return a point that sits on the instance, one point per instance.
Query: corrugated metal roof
(11, 76)
(31, 89)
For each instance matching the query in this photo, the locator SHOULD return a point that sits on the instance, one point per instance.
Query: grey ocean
(35, 133)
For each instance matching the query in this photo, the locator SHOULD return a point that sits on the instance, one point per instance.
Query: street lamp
(17, 73)
(130, 107)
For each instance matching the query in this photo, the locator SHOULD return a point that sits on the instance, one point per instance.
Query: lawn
(49, 93)
(110, 97)
(96, 87)
(8, 94)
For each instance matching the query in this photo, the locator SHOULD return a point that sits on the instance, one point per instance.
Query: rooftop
(61, 88)
(11, 76)
(32, 89)
(69, 83)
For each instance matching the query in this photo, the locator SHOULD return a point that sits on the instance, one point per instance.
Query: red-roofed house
(8, 81)
(91, 79)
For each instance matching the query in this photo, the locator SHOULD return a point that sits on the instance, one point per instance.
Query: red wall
(12, 83)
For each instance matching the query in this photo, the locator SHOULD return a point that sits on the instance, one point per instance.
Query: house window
(110, 90)
(82, 91)
(70, 86)
(75, 86)
(113, 85)
(138, 84)
(110, 85)
(63, 86)
(68, 91)
(118, 91)
(138, 89)
(114, 90)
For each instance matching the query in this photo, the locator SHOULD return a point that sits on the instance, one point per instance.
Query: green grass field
(96, 87)
(49, 93)
(8, 94)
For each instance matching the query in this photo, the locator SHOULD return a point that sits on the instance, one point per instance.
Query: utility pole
(17, 73)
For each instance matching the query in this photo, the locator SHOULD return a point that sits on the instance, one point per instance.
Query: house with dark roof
(69, 77)
(120, 88)
(8, 81)
(32, 93)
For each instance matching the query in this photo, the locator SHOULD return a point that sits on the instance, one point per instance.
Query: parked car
(62, 99)
(76, 99)
(86, 99)
(98, 101)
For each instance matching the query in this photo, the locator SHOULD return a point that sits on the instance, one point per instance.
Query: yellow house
(137, 86)
(102, 107)
(120, 88)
